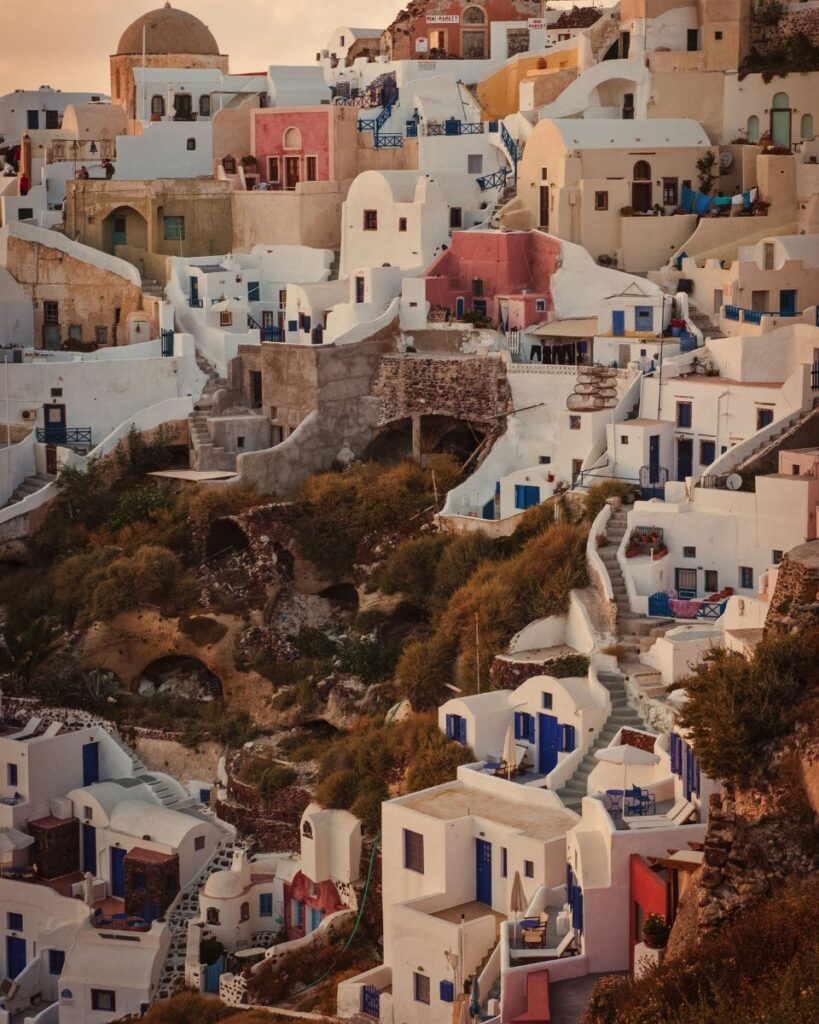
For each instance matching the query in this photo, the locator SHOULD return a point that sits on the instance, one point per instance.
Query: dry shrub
(206, 505)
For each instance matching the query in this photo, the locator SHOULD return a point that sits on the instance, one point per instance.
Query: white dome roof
(224, 885)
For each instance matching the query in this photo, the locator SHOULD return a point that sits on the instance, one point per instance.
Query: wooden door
(544, 206)
(291, 172)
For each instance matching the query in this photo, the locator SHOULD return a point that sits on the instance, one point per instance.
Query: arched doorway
(225, 535)
(473, 34)
(781, 120)
(641, 193)
(125, 226)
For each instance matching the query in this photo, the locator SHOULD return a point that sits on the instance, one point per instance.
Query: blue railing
(412, 129)
(166, 343)
(495, 180)
(389, 141)
(64, 435)
(731, 312)
(270, 333)
(510, 146)
(753, 316)
(454, 127)
(688, 342)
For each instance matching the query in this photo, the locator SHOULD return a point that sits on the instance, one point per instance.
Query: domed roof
(224, 885)
(168, 31)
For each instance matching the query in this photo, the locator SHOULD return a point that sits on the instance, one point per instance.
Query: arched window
(642, 171)
(307, 830)
(806, 126)
(474, 16)
(244, 912)
(158, 105)
(229, 164)
(753, 128)
(780, 101)
(292, 139)
(204, 106)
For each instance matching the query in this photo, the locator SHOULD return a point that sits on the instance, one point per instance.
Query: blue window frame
(447, 992)
(413, 851)
(292, 325)
(526, 496)
(253, 291)
(456, 728)
(14, 922)
(504, 869)
(524, 727)
(708, 452)
(643, 318)
(56, 960)
(684, 414)
(568, 738)
(676, 754)
(11, 774)
(266, 904)
(547, 701)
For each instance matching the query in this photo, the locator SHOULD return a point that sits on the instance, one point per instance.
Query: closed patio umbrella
(509, 752)
(517, 901)
(464, 1017)
(475, 998)
(626, 755)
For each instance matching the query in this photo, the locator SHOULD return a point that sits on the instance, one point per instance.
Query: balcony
(70, 437)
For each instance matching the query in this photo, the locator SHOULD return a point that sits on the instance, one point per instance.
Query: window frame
(265, 904)
(14, 921)
(601, 201)
(311, 165)
(176, 234)
(685, 415)
(711, 577)
(370, 220)
(101, 997)
(671, 191)
(421, 988)
(746, 572)
(413, 851)
(528, 869)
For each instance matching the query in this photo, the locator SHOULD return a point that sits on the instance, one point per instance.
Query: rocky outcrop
(796, 597)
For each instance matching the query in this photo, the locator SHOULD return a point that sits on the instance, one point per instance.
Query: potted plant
(632, 551)
(658, 553)
(655, 931)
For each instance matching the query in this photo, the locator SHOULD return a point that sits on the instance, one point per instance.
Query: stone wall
(796, 597)
(269, 825)
(56, 846)
(473, 389)
(151, 882)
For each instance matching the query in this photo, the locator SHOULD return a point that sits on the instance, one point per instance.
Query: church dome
(168, 30)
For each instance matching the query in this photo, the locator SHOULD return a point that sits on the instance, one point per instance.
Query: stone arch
(178, 667)
(125, 226)
(753, 128)
(225, 535)
(292, 138)
(474, 15)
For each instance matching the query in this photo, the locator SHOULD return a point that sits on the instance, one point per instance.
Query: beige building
(164, 38)
(690, 35)
(145, 221)
(595, 182)
(80, 297)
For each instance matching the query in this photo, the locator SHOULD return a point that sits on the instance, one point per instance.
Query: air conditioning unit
(61, 807)
(29, 414)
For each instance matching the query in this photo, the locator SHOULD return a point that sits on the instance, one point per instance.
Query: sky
(66, 43)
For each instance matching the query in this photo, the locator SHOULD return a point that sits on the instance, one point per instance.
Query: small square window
(746, 577)
(777, 556)
(103, 999)
(199, 843)
(601, 200)
(240, 442)
(548, 700)
(545, 460)
(574, 423)
(624, 439)
(712, 581)
(371, 220)
(540, 305)
(14, 922)
(173, 229)
(689, 552)
(56, 392)
(311, 168)
(225, 318)
(456, 217)
(88, 814)
(529, 868)
(718, 35)
(402, 224)
(421, 986)
(413, 851)
(708, 452)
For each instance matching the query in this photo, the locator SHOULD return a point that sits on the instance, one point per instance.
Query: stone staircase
(30, 485)
(705, 324)
(184, 909)
(204, 455)
(774, 442)
(621, 716)
(161, 790)
(506, 194)
(152, 287)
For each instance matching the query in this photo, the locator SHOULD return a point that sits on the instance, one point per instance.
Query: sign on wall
(421, 45)
(537, 23)
(443, 19)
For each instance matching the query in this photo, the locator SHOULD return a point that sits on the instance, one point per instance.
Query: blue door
(685, 458)
(548, 743)
(370, 1001)
(117, 872)
(483, 872)
(460, 306)
(89, 848)
(618, 323)
(119, 231)
(315, 918)
(90, 764)
(15, 956)
(194, 291)
(787, 302)
(213, 972)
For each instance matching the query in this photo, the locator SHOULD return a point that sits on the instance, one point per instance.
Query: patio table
(614, 801)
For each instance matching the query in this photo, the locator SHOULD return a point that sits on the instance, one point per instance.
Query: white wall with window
(166, 149)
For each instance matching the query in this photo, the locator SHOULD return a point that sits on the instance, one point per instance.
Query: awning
(585, 327)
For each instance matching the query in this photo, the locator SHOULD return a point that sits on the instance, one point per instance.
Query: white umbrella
(12, 839)
(625, 755)
(509, 752)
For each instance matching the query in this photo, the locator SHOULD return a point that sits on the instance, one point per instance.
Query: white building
(32, 109)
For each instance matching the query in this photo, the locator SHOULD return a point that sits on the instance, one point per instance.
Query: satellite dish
(734, 482)
(726, 158)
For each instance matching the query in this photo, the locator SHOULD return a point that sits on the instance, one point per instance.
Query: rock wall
(796, 596)
(473, 389)
(269, 825)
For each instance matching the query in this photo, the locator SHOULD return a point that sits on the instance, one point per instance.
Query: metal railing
(454, 127)
(80, 436)
(814, 377)
(688, 342)
(166, 339)
(270, 333)
(195, 303)
(495, 180)
(510, 146)
(388, 141)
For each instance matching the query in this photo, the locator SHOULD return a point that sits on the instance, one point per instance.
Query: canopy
(583, 327)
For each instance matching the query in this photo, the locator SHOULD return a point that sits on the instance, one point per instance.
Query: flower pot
(550, 477)
(656, 940)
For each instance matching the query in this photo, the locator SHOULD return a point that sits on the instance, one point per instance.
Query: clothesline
(699, 203)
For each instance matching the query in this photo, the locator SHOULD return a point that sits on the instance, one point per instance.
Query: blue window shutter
(519, 499)
(568, 738)
(307, 323)
(518, 725)
(292, 325)
(447, 992)
(530, 728)
(547, 701)
(461, 730)
(449, 726)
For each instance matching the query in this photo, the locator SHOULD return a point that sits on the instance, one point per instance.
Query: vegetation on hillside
(761, 968)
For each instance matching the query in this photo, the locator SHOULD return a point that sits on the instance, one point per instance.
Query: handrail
(64, 435)
(495, 180)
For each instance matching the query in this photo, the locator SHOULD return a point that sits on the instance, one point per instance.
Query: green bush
(366, 657)
(138, 504)
(338, 789)
(738, 705)
(412, 567)
(597, 496)
(569, 666)
(312, 643)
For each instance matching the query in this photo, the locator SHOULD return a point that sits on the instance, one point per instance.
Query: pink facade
(317, 900)
(506, 275)
(457, 28)
(305, 144)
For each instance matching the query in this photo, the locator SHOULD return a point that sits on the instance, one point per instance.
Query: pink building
(305, 144)
(505, 276)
